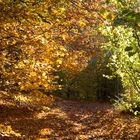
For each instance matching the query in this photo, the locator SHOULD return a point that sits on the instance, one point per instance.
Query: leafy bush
(129, 103)
(123, 45)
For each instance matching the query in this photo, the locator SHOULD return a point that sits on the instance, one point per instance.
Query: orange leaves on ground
(65, 120)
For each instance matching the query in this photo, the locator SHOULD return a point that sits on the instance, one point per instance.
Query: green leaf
(108, 1)
(125, 11)
(136, 112)
(103, 10)
(131, 54)
(119, 21)
(128, 48)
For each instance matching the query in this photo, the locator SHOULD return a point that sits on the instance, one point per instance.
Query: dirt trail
(68, 120)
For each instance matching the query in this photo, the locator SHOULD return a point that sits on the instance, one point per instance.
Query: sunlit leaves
(8, 131)
(123, 45)
(49, 36)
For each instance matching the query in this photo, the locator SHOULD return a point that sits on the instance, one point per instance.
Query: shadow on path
(70, 120)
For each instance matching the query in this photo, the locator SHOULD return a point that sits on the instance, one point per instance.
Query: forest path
(66, 120)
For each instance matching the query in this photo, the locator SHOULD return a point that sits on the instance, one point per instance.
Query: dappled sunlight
(7, 131)
(7, 103)
(40, 115)
(46, 131)
(69, 70)
(67, 120)
(77, 127)
(21, 98)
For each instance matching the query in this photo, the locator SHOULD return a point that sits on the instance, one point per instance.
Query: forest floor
(29, 118)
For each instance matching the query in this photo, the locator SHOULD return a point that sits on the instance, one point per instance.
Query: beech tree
(39, 38)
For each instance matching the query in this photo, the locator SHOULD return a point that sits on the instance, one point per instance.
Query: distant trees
(91, 83)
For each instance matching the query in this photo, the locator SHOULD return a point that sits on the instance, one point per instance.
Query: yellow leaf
(14, 42)
(62, 54)
(32, 73)
(45, 108)
(82, 23)
(46, 85)
(64, 37)
(43, 74)
(138, 23)
(62, 9)
(59, 61)
(21, 64)
(22, 87)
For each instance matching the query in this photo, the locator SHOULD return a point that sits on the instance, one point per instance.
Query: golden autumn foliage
(39, 38)
(56, 46)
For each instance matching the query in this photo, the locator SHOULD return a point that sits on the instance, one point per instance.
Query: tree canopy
(46, 45)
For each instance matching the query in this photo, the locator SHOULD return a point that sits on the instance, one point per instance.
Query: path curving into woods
(67, 120)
